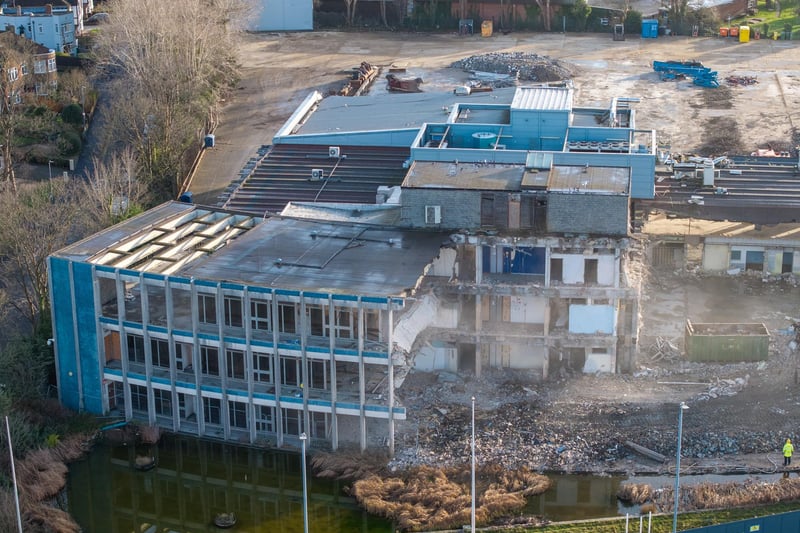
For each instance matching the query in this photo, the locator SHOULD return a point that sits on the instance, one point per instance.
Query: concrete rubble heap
(522, 65)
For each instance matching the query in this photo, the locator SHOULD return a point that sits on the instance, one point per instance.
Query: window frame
(209, 362)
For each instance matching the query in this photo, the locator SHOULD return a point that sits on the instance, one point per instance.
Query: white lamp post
(472, 514)
(683, 407)
(305, 489)
(14, 476)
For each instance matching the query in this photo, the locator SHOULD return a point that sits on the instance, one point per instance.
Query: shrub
(72, 114)
(69, 143)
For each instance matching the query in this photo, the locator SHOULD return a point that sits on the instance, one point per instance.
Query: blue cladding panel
(523, 260)
(91, 376)
(61, 300)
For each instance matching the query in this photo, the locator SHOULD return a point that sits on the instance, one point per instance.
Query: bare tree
(172, 63)
(16, 54)
(34, 223)
(112, 190)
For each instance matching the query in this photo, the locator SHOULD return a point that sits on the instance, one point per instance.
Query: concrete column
(391, 378)
(248, 363)
(478, 261)
(100, 344)
(123, 342)
(305, 327)
(148, 351)
(478, 327)
(222, 361)
(547, 252)
(173, 370)
(276, 369)
(196, 366)
(362, 396)
(332, 332)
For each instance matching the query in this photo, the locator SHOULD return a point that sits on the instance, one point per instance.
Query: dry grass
(41, 475)
(636, 493)
(434, 498)
(729, 495)
(42, 517)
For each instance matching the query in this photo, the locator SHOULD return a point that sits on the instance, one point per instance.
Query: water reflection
(196, 480)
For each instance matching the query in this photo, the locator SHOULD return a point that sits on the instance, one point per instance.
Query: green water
(195, 480)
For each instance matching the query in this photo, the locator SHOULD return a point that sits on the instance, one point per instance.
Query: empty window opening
(590, 271)
(556, 270)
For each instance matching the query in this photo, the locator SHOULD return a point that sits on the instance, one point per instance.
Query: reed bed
(426, 497)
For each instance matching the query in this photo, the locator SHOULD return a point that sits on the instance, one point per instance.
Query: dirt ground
(279, 71)
(739, 414)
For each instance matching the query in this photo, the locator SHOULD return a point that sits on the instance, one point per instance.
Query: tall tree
(16, 62)
(172, 63)
(34, 223)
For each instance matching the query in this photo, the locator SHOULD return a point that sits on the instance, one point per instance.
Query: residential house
(53, 28)
(30, 67)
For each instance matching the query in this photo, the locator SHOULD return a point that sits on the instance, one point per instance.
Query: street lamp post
(303, 439)
(683, 407)
(472, 513)
(50, 179)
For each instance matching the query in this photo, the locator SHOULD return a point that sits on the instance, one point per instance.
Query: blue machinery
(702, 76)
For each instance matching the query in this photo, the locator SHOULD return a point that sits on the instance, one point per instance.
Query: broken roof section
(162, 239)
(589, 179)
(476, 176)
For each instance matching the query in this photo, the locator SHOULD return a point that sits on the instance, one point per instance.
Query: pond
(194, 481)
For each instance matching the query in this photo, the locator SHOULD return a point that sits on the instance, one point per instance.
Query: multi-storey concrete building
(499, 239)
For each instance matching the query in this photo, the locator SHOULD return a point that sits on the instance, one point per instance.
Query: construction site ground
(739, 414)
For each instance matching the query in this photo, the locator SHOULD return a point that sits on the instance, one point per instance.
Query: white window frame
(433, 214)
(260, 314)
(13, 74)
(260, 373)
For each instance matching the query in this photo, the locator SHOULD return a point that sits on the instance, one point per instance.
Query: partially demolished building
(499, 239)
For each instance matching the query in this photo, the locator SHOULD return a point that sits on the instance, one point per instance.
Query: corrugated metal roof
(543, 98)
(285, 175)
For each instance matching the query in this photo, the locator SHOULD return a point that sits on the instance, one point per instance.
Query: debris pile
(743, 81)
(663, 349)
(519, 65)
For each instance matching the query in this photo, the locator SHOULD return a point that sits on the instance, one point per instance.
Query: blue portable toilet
(208, 141)
(649, 29)
(187, 197)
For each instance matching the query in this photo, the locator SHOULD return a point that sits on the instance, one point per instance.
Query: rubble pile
(520, 65)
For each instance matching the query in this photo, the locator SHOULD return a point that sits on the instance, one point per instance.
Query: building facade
(51, 27)
(504, 245)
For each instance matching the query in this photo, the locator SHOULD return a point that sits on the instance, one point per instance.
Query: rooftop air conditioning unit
(316, 174)
(334, 151)
(433, 214)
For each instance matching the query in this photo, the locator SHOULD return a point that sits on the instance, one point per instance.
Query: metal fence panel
(777, 523)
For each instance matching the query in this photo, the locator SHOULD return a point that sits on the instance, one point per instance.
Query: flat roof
(391, 111)
(589, 179)
(543, 98)
(446, 175)
(324, 256)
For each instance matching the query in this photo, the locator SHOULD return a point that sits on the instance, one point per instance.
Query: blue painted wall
(91, 377)
(643, 167)
(399, 138)
(61, 302)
